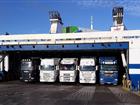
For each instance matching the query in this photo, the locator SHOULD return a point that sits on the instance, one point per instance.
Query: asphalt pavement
(19, 93)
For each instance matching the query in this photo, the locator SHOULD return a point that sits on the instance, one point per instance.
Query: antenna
(91, 23)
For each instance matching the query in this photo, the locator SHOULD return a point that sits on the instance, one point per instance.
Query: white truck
(87, 70)
(4, 66)
(68, 70)
(49, 69)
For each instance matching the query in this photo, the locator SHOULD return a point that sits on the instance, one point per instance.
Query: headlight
(32, 78)
(116, 79)
(101, 79)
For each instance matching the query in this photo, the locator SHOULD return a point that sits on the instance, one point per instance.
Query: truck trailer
(49, 69)
(87, 70)
(68, 70)
(108, 70)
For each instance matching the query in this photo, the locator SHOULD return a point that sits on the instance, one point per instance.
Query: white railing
(60, 41)
(63, 38)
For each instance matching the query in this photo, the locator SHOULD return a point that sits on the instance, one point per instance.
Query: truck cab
(87, 70)
(68, 70)
(49, 70)
(30, 70)
(108, 70)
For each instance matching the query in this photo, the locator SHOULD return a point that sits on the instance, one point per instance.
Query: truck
(108, 70)
(87, 70)
(68, 70)
(30, 70)
(49, 69)
(4, 66)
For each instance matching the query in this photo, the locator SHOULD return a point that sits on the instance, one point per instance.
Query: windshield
(108, 68)
(87, 68)
(47, 67)
(67, 67)
(26, 65)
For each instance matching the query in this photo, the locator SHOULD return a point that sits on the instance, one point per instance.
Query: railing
(60, 41)
(86, 37)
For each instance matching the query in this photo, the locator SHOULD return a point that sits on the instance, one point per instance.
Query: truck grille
(46, 76)
(26, 76)
(67, 77)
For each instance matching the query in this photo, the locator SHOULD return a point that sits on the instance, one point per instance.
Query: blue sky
(31, 16)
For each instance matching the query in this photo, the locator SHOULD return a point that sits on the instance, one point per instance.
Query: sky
(31, 16)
